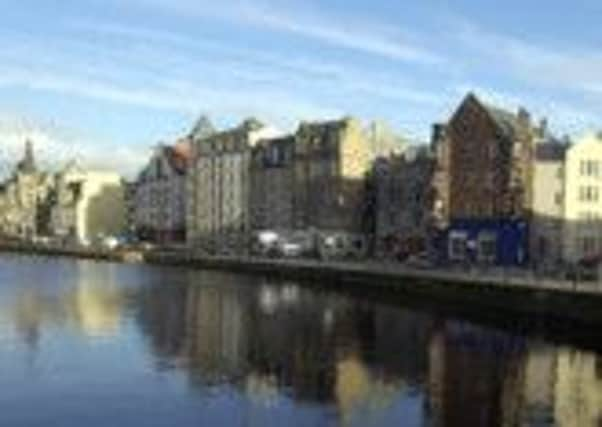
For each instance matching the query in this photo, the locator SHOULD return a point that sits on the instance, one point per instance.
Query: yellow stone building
(583, 199)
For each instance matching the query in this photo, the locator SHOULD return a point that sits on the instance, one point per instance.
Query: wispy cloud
(355, 36)
(362, 35)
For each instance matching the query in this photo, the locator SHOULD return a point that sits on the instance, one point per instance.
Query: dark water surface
(91, 344)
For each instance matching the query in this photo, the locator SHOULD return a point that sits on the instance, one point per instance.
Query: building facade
(219, 189)
(160, 208)
(485, 175)
(332, 160)
(583, 199)
(548, 204)
(25, 200)
(402, 184)
(272, 180)
(88, 205)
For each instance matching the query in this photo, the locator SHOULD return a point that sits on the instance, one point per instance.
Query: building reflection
(274, 341)
(475, 376)
(578, 390)
(271, 341)
(93, 306)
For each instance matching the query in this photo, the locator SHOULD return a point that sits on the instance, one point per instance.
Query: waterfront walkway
(511, 278)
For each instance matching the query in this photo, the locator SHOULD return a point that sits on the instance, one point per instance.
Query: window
(589, 168)
(457, 245)
(558, 199)
(559, 173)
(588, 194)
(487, 244)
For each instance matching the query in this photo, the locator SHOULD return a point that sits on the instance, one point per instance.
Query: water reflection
(92, 304)
(306, 357)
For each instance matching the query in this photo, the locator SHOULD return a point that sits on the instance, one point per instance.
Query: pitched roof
(506, 121)
(550, 151)
(202, 129)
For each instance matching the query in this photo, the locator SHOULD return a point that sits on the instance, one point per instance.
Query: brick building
(484, 182)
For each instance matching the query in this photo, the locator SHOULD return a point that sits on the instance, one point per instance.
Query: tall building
(485, 182)
(272, 180)
(87, 205)
(402, 185)
(161, 193)
(583, 199)
(548, 203)
(332, 160)
(218, 214)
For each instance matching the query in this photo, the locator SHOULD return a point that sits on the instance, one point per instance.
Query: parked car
(110, 242)
(290, 249)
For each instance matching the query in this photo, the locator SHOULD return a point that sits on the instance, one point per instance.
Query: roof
(506, 121)
(178, 155)
(550, 151)
(202, 129)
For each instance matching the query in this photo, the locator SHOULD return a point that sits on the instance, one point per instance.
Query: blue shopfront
(479, 241)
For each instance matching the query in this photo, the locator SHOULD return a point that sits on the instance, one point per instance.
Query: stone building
(548, 203)
(218, 215)
(332, 160)
(25, 200)
(583, 199)
(161, 193)
(484, 182)
(402, 184)
(272, 180)
(129, 188)
(383, 141)
(88, 205)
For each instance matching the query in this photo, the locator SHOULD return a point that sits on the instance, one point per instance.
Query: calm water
(87, 344)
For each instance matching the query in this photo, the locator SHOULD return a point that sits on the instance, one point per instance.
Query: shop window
(457, 245)
(487, 244)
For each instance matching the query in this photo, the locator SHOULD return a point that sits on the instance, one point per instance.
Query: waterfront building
(484, 183)
(272, 181)
(548, 203)
(218, 215)
(129, 188)
(332, 160)
(87, 205)
(583, 199)
(161, 194)
(402, 185)
(25, 199)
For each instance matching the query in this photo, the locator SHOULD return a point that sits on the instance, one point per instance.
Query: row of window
(589, 194)
(589, 168)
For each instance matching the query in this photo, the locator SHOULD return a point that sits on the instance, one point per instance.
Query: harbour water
(101, 344)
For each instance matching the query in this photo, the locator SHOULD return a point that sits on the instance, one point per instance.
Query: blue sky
(104, 80)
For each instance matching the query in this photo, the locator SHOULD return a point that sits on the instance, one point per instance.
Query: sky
(104, 81)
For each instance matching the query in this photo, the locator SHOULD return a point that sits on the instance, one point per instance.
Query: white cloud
(54, 147)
